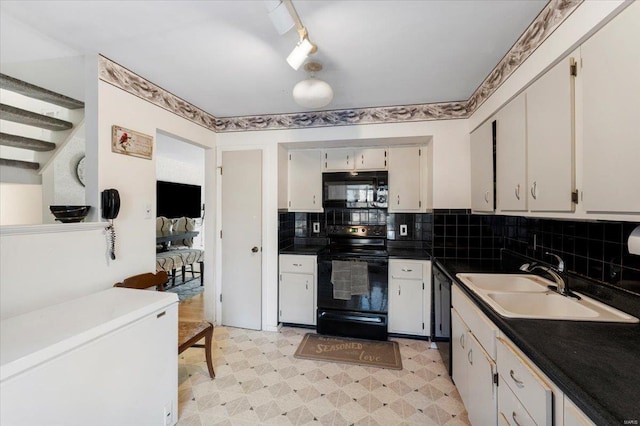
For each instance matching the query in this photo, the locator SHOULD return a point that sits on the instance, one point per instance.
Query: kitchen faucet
(557, 274)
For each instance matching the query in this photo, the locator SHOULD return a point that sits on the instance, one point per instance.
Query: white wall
(21, 204)
(38, 270)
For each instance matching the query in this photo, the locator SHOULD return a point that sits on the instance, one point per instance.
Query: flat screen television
(178, 199)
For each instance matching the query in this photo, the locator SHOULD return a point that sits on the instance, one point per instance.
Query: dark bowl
(70, 214)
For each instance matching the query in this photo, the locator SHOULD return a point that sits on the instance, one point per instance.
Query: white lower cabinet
(473, 373)
(510, 411)
(409, 297)
(573, 416)
(498, 384)
(529, 388)
(298, 289)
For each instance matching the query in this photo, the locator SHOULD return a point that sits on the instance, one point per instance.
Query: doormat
(369, 353)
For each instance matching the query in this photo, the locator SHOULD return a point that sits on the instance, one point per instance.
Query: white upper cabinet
(482, 168)
(346, 159)
(371, 159)
(338, 159)
(511, 156)
(550, 143)
(305, 181)
(610, 77)
(405, 179)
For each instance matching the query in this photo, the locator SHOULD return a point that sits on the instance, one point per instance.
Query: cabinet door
(339, 159)
(371, 159)
(483, 401)
(305, 181)
(406, 310)
(573, 416)
(511, 156)
(296, 298)
(459, 363)
(611, 85)
(405, 178)
(482, 168)
(550, 140)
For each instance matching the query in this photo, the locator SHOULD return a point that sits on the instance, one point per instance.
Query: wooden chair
(189, 332)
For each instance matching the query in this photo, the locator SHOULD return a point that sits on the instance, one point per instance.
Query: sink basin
(527, 296)
(506, 282)
(549, 305)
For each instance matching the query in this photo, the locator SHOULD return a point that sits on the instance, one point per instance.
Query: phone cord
(112, 240)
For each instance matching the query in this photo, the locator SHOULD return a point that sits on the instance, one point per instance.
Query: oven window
(375, 301)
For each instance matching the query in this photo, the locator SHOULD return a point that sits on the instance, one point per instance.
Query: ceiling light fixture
(279, 15)
(304, 47)
(313, 92)
(301, 52)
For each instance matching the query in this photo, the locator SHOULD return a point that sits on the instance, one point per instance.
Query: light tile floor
(258, 381)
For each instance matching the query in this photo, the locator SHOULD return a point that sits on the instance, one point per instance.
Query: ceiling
(226, 58)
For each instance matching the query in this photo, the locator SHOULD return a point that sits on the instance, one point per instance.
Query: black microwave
(355, 190)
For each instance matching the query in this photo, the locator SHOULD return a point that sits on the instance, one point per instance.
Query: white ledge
(51, 228)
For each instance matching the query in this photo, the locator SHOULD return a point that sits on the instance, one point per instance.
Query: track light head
(301, 52)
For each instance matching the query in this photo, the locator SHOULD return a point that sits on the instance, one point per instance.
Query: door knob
(254, 249)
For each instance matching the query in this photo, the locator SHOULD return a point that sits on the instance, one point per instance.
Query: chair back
(144, 281)
(163, 224)
(184, 224)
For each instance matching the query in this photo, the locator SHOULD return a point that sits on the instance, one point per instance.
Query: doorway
(180, 191)
(241, 233)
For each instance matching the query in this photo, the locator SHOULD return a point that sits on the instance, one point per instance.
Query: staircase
(35, 122)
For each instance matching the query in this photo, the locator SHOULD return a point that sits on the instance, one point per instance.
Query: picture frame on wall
(129, 142)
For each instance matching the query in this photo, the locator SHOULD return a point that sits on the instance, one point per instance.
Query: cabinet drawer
(510, 411)
(484, 330)
(405, 270)
(297, 263)
(525, 383)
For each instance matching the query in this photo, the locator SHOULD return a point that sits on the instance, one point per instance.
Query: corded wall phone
(110, 210)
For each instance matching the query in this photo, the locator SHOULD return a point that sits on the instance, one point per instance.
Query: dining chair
(184, 248)
(189, 332)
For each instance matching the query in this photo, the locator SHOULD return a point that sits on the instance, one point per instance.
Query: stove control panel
(359, 230)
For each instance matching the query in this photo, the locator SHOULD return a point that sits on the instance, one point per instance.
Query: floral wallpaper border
(553, 14)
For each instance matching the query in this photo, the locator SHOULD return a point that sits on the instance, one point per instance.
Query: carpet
(369, 353)
(188, 289)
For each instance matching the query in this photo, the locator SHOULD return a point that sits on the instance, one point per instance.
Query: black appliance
(355, 190)
(363, 316)
(441, 332)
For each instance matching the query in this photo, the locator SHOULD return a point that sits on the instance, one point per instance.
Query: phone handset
(110, 210)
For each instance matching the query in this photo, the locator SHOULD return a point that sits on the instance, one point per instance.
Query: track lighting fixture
(284, 15)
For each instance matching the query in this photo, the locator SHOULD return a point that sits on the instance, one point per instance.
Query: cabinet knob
(470, 356)
(486, 197)
(398, 199)
(517, 191)
(254, 249)
(462, 341)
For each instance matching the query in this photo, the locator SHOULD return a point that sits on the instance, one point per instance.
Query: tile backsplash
(595, 249)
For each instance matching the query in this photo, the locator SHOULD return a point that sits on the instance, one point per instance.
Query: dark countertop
(307, 249)
(408, 253)
(597, 365)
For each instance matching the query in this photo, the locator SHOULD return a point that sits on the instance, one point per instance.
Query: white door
(241, 239)
(296, 298)
(404, 179)
(459, 349)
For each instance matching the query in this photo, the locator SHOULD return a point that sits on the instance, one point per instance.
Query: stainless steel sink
(527, 296)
